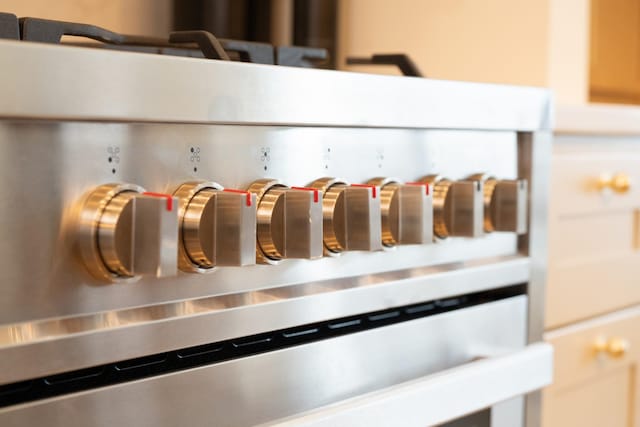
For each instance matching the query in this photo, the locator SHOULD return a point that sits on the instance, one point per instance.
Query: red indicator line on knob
(169, 198)
(373, 188)
(426, 186)
(315, 192)
(248, 195)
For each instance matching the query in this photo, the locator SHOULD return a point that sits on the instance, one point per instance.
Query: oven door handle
(440, 397)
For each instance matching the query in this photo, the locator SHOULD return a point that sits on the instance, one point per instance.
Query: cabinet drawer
(594, 265)
(577, 171)
(594, 231)
(596, 376)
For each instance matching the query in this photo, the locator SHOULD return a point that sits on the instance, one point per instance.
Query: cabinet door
(615, 51)
(595, 384)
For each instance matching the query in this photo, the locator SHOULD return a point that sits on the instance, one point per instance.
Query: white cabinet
(593, 286)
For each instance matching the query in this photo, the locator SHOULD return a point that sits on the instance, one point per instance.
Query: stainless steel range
(191, 241)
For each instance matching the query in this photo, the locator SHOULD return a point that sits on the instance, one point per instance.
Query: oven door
(490, 390)
(421, 371)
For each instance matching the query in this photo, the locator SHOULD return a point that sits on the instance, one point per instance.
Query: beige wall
(148, 17)
(530, 42)
(489, 40)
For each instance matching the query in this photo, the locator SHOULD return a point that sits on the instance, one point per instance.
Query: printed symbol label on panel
(380, 157)
(194, 157)
(326, 158)
(265, 157)
(113, 157)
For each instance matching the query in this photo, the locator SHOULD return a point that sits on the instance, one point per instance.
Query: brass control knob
(289, 221)
(505, 203)
(351, 215)
(217, 226)
(457, 207)
(125, 232)
(407, 212)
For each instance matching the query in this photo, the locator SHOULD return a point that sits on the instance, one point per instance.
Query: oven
(188, 241)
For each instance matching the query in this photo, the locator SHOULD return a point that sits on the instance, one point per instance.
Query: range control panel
(163, 212)
(126, 231)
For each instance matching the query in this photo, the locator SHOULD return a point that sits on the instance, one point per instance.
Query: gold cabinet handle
(619, 182)
(615, 347)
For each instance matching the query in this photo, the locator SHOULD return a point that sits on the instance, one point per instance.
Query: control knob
(289, 221)
(457, 207)
(351, 215)
(125, 232)
(217, 226)
(505, 203)
(407, 212)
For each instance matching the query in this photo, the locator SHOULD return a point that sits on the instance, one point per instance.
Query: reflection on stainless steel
(275, 385)
(457, 207)
(256, 127)
(110, 89)
(114, 335)
(514, 270)
(435, 399)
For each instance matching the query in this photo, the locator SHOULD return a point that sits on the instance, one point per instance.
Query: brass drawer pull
(619, 182)
(615, 347)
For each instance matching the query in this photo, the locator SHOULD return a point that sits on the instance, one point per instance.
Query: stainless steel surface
(439, 398)
(407, 212)
(276, 385)
(534, 160)
(73, 119)
(218, 226)
(37, 348)
(124, 86)
(457, 207)
(158, 157)
(156, 235)
(289, 221)
(351, 215)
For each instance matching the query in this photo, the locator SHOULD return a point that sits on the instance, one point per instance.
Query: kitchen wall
(150, 17)
(453, 39)
(529, 42)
